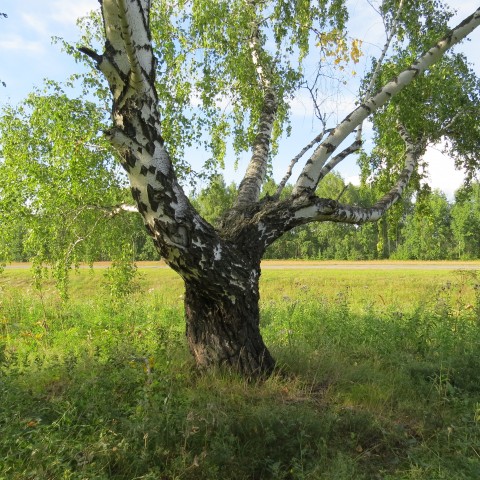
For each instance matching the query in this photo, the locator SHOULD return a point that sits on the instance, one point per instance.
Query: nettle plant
(214, 73)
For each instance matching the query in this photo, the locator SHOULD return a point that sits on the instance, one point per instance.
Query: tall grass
(365, 389)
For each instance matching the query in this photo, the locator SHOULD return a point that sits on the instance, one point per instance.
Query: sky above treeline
(28, 56)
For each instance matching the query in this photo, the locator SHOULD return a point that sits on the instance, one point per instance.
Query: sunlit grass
(364, 287)
(378, 378)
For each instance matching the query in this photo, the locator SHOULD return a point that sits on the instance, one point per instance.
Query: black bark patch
(136, 194)
(142, 208)
(160, 177)
(415, 71)
(329, 147)
(126, 166)
(154, 197)
(131, 160)
(366, 107)
(128, 127)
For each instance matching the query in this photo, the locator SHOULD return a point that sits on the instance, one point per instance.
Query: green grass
(371, 384)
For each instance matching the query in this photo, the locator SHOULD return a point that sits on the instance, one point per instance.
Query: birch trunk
(223, 330)
(221, 267)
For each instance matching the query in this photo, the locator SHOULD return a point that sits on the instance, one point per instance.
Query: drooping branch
(358, 215)
(309, 178)
(251, 185)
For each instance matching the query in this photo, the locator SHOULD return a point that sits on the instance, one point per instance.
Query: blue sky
(27, 56)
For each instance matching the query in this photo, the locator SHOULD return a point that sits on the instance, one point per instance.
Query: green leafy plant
(121, 278)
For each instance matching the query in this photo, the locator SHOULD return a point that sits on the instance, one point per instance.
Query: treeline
(423, 226)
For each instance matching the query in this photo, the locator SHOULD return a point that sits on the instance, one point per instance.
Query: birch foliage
(59, 184)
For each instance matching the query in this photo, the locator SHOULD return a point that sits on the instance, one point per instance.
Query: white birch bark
(310, 176)
(128, 64)
(337, 212)
(251, 185)
(295, 160)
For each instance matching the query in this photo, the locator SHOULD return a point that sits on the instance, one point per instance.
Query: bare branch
(295, 160)
(313, 94)
(310, 175)
(444, 128)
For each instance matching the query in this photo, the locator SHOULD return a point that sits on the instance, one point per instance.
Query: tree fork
(221, 268)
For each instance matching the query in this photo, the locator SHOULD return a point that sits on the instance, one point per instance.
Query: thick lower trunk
(225, 331)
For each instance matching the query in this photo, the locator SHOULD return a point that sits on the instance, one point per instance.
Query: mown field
(378, 378)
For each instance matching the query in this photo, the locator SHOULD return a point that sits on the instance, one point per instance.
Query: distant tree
(215, 200)
(466, 222)
(427, 234)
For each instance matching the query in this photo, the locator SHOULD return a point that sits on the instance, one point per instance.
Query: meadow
(378, 378)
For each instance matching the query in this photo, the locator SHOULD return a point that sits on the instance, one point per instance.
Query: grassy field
(378, 379)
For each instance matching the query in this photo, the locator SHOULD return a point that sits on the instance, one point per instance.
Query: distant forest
(425, 225)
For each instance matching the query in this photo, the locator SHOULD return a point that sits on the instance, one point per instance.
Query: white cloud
(35, 23)
(67, 13)
(354, 180)
(16, 43)
(442, 172)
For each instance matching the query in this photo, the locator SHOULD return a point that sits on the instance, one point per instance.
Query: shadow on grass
(95, 392)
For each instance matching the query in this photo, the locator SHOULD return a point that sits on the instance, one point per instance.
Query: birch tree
(160, 58)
